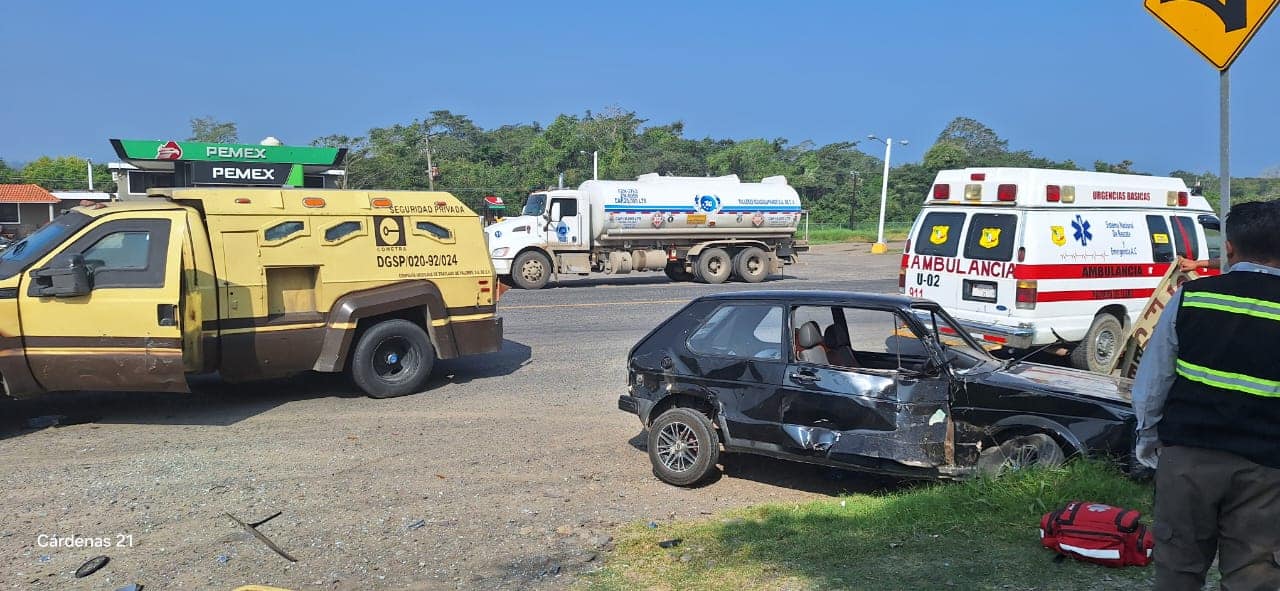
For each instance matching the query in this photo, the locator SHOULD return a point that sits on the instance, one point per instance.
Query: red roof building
(24, 208)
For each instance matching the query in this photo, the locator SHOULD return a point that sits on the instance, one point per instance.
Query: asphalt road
(511, 471)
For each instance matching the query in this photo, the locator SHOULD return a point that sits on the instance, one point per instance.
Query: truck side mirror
(65, 277)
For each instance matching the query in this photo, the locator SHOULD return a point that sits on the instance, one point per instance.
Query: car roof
(822, 296)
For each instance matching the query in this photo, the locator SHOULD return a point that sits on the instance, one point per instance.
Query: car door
(871, 392)
(123, 332)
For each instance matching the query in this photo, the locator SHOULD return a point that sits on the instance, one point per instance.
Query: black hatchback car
(885, 384)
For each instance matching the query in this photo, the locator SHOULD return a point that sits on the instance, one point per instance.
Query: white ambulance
(1024, 256)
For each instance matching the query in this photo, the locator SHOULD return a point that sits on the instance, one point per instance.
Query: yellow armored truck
(250, 283)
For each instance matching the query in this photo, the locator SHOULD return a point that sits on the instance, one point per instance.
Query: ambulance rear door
(929, 267)
(987, 262)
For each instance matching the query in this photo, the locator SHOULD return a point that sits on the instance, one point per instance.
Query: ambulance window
(939, 234)
(1161, 245)
(1185, 241)
(283, 230)
(435, 230)
(990, 237)
(341, 231)
(1212, 236)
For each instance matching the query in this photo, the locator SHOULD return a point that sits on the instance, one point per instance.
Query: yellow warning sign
(1218, 29)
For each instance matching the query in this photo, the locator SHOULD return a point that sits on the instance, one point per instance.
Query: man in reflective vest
(1207, 398)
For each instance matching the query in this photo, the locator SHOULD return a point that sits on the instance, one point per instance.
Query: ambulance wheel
(531, 270)
(714, 265)
(751, 265)
(1018, 453)
(675, 272)
(683, 447)
(392, 358)
(1100, 346)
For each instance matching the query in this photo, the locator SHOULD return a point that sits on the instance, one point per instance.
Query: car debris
(877, 383)
(91, 566)
(672, 543)
(253, 529)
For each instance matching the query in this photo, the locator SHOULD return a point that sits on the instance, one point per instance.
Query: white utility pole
(88, 164)
(880, 247)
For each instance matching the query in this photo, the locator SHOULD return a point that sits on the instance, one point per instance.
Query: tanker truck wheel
(714, 265)
(751, 265)
(531, 270)
(675, 272)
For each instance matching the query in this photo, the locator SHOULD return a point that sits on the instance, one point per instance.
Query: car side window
(748, 331)
(883, 336)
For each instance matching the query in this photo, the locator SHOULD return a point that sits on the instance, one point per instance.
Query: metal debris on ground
(672, 543)
(253, 529)
(91, 566)
(417, 524)
(223, 559)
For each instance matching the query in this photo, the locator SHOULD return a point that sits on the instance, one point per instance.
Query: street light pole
(431, 179)
(595, 165)
(880, 247)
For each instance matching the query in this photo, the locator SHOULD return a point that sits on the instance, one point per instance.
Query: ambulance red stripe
(1084, 295)
(1096, 271)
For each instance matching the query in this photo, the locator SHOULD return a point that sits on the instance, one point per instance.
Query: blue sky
(1079, 79)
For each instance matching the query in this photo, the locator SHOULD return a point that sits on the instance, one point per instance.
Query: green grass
(979, 534)
(837, 235)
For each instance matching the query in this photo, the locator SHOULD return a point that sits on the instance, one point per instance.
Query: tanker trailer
(708, 229)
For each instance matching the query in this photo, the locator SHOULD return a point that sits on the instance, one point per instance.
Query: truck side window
(125, 253)
(434, 229)
(283, 230)
(568, 207)
(1184, 237)
(939, 234)
(1161, 245)
(990, 237)
(340, 231)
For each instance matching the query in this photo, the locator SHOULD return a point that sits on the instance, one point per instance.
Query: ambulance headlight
(499, 252)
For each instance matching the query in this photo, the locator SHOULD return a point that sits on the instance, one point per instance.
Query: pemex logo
(169, 150)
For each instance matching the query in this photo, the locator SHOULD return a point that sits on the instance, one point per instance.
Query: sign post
(1218, 30)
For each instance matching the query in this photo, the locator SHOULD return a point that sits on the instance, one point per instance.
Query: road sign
(1218, 29)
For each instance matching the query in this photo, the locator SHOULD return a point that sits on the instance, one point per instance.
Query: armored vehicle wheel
(392, 358)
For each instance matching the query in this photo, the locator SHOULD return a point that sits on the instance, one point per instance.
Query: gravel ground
(511, 471)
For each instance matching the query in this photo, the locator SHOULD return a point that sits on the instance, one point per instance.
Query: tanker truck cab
(250, 283)
(1022, 256)
(705, 228)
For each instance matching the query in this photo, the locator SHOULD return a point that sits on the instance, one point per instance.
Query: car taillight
(1007, 192)
(1052, 193)
(978, 176)
(902, 280)
(941, 191)
(1182, 198)
(906, 249)
(1026, 295)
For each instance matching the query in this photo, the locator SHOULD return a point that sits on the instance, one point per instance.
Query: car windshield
(535, 205)
(962, 351)
(21, 254)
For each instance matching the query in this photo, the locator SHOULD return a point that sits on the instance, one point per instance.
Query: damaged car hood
(1065, 382)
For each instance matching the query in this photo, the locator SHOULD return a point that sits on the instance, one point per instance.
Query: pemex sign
(1217, 29)
(170, 150)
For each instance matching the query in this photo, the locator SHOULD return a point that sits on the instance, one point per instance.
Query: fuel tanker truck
(707, 229)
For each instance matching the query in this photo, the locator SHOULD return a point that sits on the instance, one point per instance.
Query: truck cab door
(103, 311)
(566, 224)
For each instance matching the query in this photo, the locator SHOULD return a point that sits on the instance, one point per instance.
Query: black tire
(714, 266)
(531, 270)
(683, 447)
(751, 265)
(392, 358)
(1017, 453)
(675, 272)
(1101, 345)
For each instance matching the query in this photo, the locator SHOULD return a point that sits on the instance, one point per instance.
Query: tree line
(838, 182)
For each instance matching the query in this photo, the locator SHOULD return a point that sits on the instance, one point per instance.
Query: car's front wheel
(1020, 453)
(683, 447)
